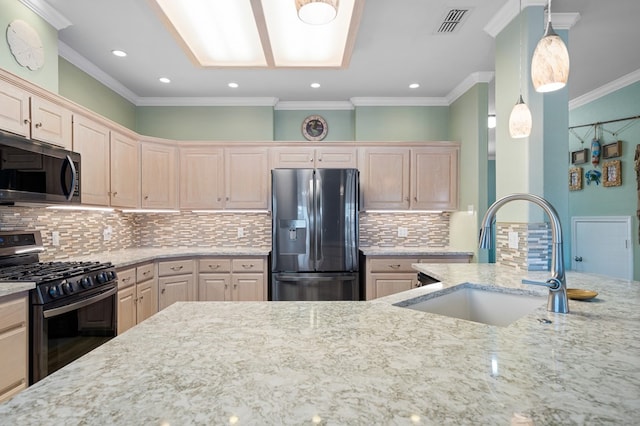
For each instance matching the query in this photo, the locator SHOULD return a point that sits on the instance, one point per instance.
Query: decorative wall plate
(314, 128)
(25, 44)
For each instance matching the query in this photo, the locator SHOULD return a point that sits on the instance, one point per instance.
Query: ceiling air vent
(452, 21)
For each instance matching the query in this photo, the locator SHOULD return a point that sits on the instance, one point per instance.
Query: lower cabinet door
(126, 309)
(178, 288)
(147, 300)
(214, 287)
(386, 284)
(247, 287)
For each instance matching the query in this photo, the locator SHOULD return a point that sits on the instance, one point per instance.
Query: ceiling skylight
(260, 33)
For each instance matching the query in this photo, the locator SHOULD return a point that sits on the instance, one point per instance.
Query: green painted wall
(597, 200)
(78, 86)
(401, 123)
(468, 125)
(222, 123)
(288, 124)
(47, 76)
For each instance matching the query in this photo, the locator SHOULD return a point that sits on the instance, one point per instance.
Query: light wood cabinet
(125, 171)
(384, 178)
(91, 140)
(137, 295)
(314, 157)
(246, 178)
(237, 279)
(402, 178)
(158, 174)
(176, 282)
(202, 178)
(34, 117)
(14, 345)
(387, 275)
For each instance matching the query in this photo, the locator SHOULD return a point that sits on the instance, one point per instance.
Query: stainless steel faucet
(557, 284)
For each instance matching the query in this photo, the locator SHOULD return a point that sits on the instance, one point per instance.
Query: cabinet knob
(226, 286)
(146, 197)
(235, 286)
(406, 199)
(26, 121)
(38, 125)
(311, 160)
(176, 268)
(213, 266)
(415, 199)
(146, 272)
(115, 193)
(249, 266)
(319, 159)
(162, 291)
(394, 266)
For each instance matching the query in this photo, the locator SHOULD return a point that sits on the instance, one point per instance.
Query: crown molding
(48, 13)
(90, 68)
(321, 105)
(390, 101)
(624, 81)
(468, 83)
(564, 21)
(510, 10)
(210, 101)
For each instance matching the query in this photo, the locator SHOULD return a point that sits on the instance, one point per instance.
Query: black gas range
(72, 308)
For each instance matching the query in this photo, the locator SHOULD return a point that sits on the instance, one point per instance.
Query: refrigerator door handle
(294, 278)
(317, 182)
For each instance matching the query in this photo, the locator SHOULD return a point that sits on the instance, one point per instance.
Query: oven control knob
(54, 291)
(85, 282)
(67, 287)
(101, 277)
(111, 275)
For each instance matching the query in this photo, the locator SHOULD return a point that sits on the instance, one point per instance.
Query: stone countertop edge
(9, 288)
(412, 251)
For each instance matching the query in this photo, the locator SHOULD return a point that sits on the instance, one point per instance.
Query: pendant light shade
(550, 62)
(317, 12)
(520, 120)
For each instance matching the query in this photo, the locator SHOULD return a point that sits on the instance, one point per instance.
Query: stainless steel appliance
(315, 234)
(72, 310)
(32, 172)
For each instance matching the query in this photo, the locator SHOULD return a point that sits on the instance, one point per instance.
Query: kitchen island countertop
(358, 363)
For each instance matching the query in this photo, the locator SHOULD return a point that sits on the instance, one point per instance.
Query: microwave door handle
(68, 191)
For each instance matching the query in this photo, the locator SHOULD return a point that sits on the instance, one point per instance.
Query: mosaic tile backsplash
(82, 232)
(534, 246)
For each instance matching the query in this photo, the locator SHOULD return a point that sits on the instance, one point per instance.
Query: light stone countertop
(358, 363)
(9, 288)
(412, 251)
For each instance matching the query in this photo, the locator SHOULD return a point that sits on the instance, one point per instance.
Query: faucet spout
(557, 283)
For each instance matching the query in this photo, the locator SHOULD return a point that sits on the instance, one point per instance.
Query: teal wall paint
(288, 124)
(47, 76)
(468, 125)
(402, 123)
(221, 123)
(83, 89)
(596, 200)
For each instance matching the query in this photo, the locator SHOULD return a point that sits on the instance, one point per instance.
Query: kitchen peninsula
(358, 363)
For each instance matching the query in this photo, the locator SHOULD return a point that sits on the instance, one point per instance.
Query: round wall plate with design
(25, 44)
(314, 128)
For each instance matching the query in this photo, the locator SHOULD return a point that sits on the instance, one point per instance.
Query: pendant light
(520, 117)
(317, 12)
(550, 62)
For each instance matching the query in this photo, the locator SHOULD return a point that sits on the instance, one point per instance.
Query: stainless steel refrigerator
(315, 234)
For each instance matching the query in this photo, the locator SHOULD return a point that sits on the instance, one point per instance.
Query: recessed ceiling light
(233, 85)
(414, 86)
(315, 85)
(164, 80)
(119, 53)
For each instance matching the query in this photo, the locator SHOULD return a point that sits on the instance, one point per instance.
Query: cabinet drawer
(214, 265)
(13, 313)
(247, 265)
(126, 278)
(175, 267)
(392, 265)
(145, 272)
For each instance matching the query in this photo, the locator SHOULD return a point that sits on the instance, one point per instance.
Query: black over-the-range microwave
(33, 172)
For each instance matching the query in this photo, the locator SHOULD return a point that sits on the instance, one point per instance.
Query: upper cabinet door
(336, 158)
(292, 158)
(14, 110)
(434, 178)
(246, 177)
(201, 178)
(50, 123)
(125, 171)
(91, 140)
(158, 176)
(384, 178)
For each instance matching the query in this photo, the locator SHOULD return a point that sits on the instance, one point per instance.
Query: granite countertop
(132, 256)
(291, 363)
(9, 288)
(412, 251)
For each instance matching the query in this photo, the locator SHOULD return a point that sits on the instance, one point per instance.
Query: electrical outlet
(402, 232)
(240, 232)
(55, 238)
(106, 233)
(513, 240)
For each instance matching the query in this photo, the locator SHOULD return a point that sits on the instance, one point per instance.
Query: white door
(602, 245)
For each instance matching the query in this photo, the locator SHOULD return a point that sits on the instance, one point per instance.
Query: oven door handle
(80, 304)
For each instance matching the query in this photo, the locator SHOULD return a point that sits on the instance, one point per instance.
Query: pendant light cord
(520, 53)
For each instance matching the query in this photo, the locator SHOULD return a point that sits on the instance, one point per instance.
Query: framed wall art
(612, 150)
(575, 178)
(579, 157)
(611, 173)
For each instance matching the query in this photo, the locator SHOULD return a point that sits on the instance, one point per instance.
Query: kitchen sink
(479, 304)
